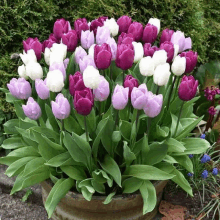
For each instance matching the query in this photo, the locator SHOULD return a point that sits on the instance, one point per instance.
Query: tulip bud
(34, 44)
(41, 88)
(83, 101)
(162, 74)
(19, 88)
(179, 66)
(149, 33)
(87, 39)
(91, 77)
(148, 50)
(166, 35)
(102, 92)
(125, 38)
(61, 26)
(191, 60)
(79, 54)
(188, 87)
(130, 82)
(81, 25)
(28, 57)
(112, 25)
(70, 39)
(160, 57)
(138, 51)
(120, 97)
(103, 33)
(34, 70)
(124, 22)
(85, 62)
(76, 83)
(113, 45)
(91, 51)
(32, 109)
(139, 97)
(153, 105)
(55, 81)
(61, 107)
(147, 66)
(155, 22)
(59, 66)
(169, 48)
(95, 24)
(136, 29)
(22, 71)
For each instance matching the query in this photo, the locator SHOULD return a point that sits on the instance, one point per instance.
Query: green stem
(123, 77)
(177, 84)
(62, 124)
(87, 135)
(116, 118)
(148, 125)
(158, 88)
(137, 120)
(170, 94)
(145, 80)
(181, 108)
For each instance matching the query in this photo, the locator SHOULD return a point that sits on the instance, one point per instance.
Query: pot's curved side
(124, 207)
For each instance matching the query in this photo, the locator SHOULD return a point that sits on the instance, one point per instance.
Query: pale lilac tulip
(120, 97)
(41, 88)
(32, 109)
(86, 61)
(79, 54)
(66, 62)
(102, 92)
(113, 45)
(139, 96)
(59, 66)
(103, 33)
(87, 39)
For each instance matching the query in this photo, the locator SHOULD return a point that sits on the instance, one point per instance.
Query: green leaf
(26, 195)
(8, 160)
(162, 131)
(125, 129)
(51, 118)
(128, 155)
(109, 198)
(173, 126)
(71, 125)
(174, 145)
(91, 121)
(10, 98)
(101, 176)
(75, 173)
(98, 187)
(141, 145)
(52, 144)
(137, 73)
(116, 136)
(169, 159)
(185, 162)
(10, 125)
(12, 143)
(131, 185)
(19, 110)
(27, 123)
(86, 194)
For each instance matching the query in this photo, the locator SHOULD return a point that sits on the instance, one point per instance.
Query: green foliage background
(20, 19)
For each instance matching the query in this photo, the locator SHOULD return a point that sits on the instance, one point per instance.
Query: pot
(124, 207)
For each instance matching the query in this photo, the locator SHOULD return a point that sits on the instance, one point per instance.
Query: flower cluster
(210, 93)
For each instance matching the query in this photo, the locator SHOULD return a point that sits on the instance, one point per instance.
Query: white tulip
(91, 77)
(159, 57)
(28, 57)
(178, 66)
(22, 71)
(91, 50)
(112, 25)
(59, 48)
(162, 74)
(176, 50)
(47, 55)
(34, 70)
(56, 57)
(146, 66)
(155, 22)
(55, 81)
(138, 51)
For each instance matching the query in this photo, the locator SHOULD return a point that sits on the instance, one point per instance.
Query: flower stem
(181, 108)
(170, 94)
(178, 80)
(148, 125)
(87, 135)
(116, 118)
(137, 120)
(62, 124)
(123, 77)
(158, 88)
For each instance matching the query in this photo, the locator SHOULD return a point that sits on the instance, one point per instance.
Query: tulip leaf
(141, 145)
(19, 110)
(109, 198)
(174, 125)
(98, 187)
(128, 155)
(174, 145)
(24, 152)
(51, 118)
(9, 126)
(119, 79)
(184, 161)
(125, 129)
(131, 185)
(137, 74)
(12, 143)
(71, 125)
(75, 173)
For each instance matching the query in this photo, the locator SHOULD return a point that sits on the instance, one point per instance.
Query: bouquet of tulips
(105, 112)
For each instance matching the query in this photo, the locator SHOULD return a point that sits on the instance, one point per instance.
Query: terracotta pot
(127, 206)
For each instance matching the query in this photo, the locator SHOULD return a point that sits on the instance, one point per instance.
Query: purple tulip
(139, 96)
(191, 60)
(34, 44)
(86, 61)
(79, 54)
(130, 82)
(81, 25)
(124, 22)
(66, 62)
(32, 109)
(59, 66)
(187, 88)
(153, 105)
(102, 35)
(61, 26)
(113, 45)
(70, 39)
(19, 88)
(47, 44)
(102, 56)
(95, 24)
(83, 101)
(125, 38)
(179, 39)
(61, 107)
(120, 97)
(76, 83)
(102, 92)
(148, 50)
(169, 48)
(125, 56)
(102, 19)
(41, 88)
(166, 35)
(136, 29)
(149, 33)
(87, 39)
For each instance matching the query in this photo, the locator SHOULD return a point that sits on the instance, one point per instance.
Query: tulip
(91, 77)
(22, 71)
(124, 22)
(130, 82)
(86, 61)
(19, 88)
(169, 48)
(59, 48)
(76, 83)
(61, 26)
(155, 22)
(148, 50)
(41, 88)
(120, 97)
(125, 38)
(139, 97)
(87, 39)
(32, 109)
(147, 66)
(59, 66)
(56, 54)
(162, 74)
(91, 51)
(83, 101)
(103, 33)
(81, 25)
(166, 35)
(47, 44)
(176, 50)
(47, 52)
(191, 60)
(55, 81)
(138, 51)
(102, 56)
(125, 56)
(53, 38)
(187, 88)
(102, 92)
(112, 25)
(34, 70)
(95, 24)
(149, 33)
(70, 39)
(66, 62)
(179, 38)
(153, 105)
(28, 57)
(179, 66)
(102, 19)
(34, 44)
(61, 107)
(136, 29)
(79, 54)
(113, 45)
(160, 57)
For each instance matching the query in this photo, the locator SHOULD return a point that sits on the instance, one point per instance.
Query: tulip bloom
(139, 97)
(59, 66)
(87, 39)
(120, 97)
(102, 92)
(83, 101)
(34, 44)
(166, 35)
(187, 88)
(80, 25)
(66, 62)
(149, 33)
(178, 66)
(160, 57)
(147, 66)
(28, 57)
(70, 39)
(162, 74)
(79, 54)
(76, 83)
(91, 51)
(138, 51)
(49, 42)
(125, 38)
(191, 60)
(148, 50)
(113, 45)
(85, 62)
(169, 48)
(112, 25)
(61, 26)
(61, 107)
(103, 33)
(55, 81)
(136, 29)
(124, 22)
(41, 88)
(91, 77)
(155, 22)
(95, 24)
(34, 70)
(22, 71)
(130, 82)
